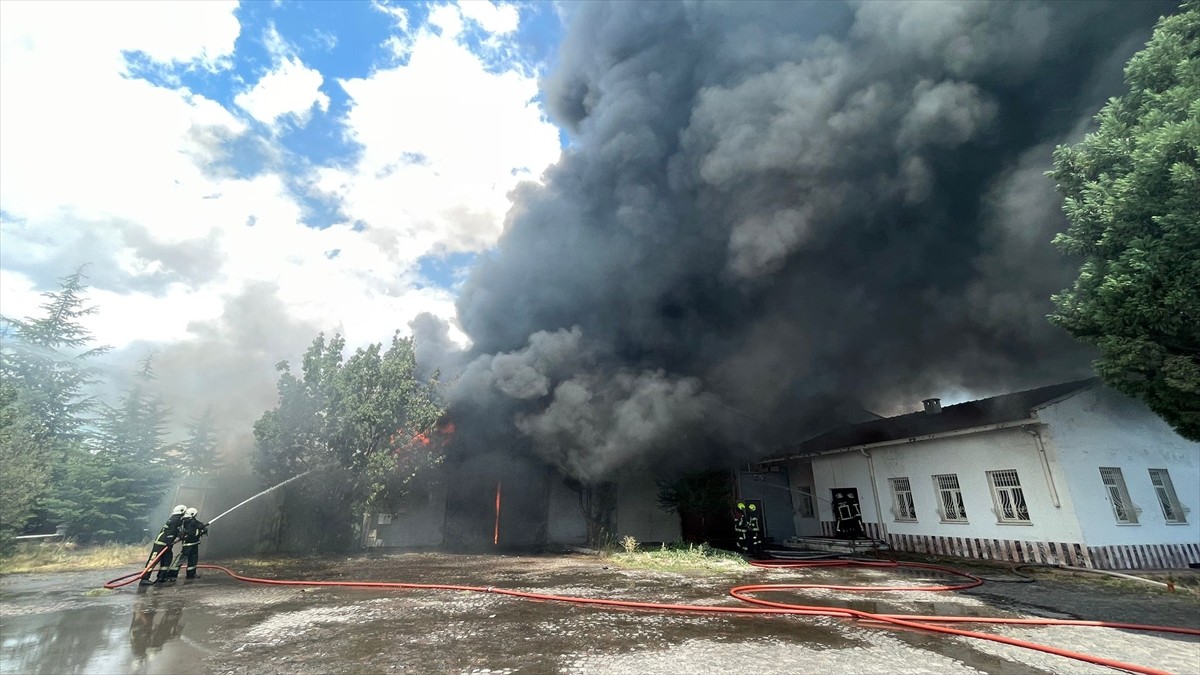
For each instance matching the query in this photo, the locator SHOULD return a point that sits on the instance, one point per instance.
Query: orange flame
(496, 533)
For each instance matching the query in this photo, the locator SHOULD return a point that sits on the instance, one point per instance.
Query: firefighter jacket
(191, 529)
(169, 531)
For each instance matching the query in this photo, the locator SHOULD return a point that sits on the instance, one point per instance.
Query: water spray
(268, 490)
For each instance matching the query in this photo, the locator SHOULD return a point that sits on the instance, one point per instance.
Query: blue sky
(352, 158)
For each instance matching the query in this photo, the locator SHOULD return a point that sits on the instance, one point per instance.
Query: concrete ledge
(830, 545)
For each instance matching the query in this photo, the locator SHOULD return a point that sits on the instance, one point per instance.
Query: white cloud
(98, 165)
(494, 18)
(290, 89)
(444, 142)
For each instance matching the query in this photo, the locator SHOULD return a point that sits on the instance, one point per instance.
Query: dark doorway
(847, 517)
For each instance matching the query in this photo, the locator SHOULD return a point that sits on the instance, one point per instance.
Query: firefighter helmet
(754, 507)
(190, 513)
(741, 506)
(178, 510)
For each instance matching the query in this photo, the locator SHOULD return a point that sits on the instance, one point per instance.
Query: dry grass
(69, 557)
(683, 558)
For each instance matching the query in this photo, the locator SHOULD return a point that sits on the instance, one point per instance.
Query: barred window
(1008, 497)
(902, 500)
(1167, 499)
(1118, 495)
(950, 497)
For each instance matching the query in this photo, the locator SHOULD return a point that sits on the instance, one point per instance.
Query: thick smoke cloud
(774, 211)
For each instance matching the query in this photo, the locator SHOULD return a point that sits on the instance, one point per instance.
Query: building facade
(1072, 474)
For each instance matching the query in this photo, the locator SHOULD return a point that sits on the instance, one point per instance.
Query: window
(902, 500)
(1008, 496)
(804, 502)
(1167, 499)
(1118, 495)
(952, 509)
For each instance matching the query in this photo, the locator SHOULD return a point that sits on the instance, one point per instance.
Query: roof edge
(1086, 385)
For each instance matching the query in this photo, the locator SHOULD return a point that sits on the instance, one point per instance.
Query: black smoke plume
(772, 213)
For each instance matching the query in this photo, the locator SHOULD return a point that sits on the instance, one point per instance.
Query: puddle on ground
(145, 637)
(51, 623)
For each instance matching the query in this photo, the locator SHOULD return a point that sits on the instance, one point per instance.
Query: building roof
(984, 412)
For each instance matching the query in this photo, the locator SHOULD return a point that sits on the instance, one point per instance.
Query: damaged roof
(984, 412)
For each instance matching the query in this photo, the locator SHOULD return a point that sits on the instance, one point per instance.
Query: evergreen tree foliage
(46, 410)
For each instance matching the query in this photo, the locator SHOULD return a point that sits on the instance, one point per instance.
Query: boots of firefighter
(164, 571)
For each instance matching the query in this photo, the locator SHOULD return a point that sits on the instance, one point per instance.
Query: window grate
(1118, 495)
(950, 496)
(902, 500)
(1168, 501)
(1008, 497)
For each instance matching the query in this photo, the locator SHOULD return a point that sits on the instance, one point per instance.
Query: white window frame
(1124, 510)
(1008, 497)
(1174, 512)
(903, 508)
(951, 507)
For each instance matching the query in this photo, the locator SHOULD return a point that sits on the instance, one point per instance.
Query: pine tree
(45, 409)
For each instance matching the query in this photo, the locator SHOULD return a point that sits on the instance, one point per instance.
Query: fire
(438, 437)
(496, 532)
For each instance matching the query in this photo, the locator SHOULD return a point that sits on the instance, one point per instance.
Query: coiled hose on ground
(746, 594)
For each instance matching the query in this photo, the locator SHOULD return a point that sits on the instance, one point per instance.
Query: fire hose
(766, 607)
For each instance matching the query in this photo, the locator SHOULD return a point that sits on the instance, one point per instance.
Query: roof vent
(933, 406)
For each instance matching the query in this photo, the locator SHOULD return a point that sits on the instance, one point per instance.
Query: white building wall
(968, 456)
(638, 512)
(845, 470)
(1100, 427)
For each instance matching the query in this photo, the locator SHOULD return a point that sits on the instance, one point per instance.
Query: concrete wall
(968, 456)
(842, 471)
(1099, 428)
(773, 489)
(565, 524)
(638, 513)
(420, 524)
(800, 478)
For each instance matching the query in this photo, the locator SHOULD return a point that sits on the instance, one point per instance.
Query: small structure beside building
(1073, 474)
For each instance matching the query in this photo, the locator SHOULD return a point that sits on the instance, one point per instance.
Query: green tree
(45, 407)
(293, 437)
(108, 488)
(370, 415)
(198, 453)
(24, 471)
(1131, 193)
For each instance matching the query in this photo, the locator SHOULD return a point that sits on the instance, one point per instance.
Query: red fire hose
(130, 578)
(743, 593)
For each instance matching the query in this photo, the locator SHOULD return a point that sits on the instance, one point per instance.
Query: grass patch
(69, 557)
(682, 558)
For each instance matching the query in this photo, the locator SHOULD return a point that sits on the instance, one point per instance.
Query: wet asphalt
(65, 623)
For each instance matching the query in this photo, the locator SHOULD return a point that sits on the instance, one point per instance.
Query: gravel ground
(59, 624)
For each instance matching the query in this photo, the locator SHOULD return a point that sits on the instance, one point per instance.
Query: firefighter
(190, 531)
(165, 540)
(741, 528)
(753, 530)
